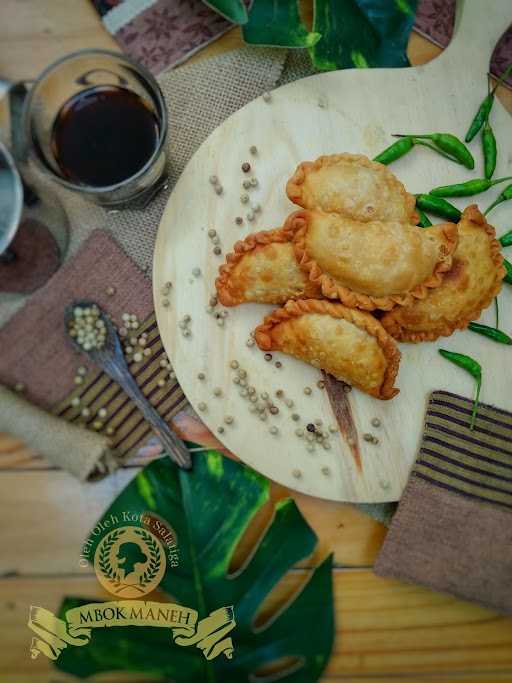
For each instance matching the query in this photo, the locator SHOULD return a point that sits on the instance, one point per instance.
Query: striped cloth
(100, 392)
(451, 531)
(478, 463)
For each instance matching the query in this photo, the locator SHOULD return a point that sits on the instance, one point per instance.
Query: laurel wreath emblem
(104, 557)
(113, 573)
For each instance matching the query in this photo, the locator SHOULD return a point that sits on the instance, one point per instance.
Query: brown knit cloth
(453, 528)
(36, 353)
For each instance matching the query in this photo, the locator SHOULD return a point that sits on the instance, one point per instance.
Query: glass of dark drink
(96, 121)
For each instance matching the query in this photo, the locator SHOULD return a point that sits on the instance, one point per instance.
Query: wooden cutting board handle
(478, 27)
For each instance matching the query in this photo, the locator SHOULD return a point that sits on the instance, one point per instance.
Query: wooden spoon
(111, 360)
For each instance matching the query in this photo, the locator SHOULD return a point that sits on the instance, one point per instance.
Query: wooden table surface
(387, 631)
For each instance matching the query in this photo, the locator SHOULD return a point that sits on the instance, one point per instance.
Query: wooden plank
(383, 627)
(34, 34)
(53, 512)
(56, 512)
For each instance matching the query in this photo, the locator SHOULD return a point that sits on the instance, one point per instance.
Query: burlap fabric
(79, 451)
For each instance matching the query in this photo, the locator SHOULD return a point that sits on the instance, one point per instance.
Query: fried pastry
(351, 345)
(467, 288)
(373, 265)
(263, 269)
(352, 186)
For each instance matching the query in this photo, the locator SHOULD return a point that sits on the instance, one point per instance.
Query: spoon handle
(172, 443)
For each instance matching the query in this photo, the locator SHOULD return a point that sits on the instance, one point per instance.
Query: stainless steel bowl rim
(14, 206)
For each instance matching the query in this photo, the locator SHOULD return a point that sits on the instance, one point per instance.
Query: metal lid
(11, 198)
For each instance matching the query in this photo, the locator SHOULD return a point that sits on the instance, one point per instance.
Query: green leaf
(233, 10)
(362, 33)
(209, 509)
(277, 23)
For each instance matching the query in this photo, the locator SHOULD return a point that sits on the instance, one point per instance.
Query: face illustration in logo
(129, 561)
(128, 556)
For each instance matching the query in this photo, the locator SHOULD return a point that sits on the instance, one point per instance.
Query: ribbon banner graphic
(208, 634)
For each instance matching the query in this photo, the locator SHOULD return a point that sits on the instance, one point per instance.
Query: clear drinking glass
(96, 122)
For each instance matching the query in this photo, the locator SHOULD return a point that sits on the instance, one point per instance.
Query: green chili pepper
(491, 332)
(484, 109)
(451, 145)
(475, 370)
(468, 188)
(424, 221)
(395, 151)
(497, 311)
(506, 239)
(503, 197)
(508, 268)
(438, 206)
(402, 147)
(480, 117)
(489, 149)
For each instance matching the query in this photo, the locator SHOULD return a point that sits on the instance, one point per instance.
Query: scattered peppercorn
(246, 167)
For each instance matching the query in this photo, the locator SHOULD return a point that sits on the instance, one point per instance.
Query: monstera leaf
(234, 10)
(346, 33)
(362, 33)
(209, 509)
(277, 24)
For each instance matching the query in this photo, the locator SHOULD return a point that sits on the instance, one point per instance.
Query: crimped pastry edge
(296, 226)
(362, 320)
(240, 249)
(294, 189)
(398, 332)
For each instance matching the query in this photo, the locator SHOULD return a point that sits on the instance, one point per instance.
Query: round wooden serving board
(343, 111)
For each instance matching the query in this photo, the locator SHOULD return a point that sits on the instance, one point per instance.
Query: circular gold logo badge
(129, 562)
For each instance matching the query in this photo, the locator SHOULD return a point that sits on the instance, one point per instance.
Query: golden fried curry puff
(351, 345)
(352, 186)
(372, 265)
(467, 289)
(263, 269)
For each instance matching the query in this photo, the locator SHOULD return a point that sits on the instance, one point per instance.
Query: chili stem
(497, 310)
(500, 180)
(475, 404)
(434, 149)
(491, 207)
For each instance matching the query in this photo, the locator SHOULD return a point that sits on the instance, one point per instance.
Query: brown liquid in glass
(104, 135)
